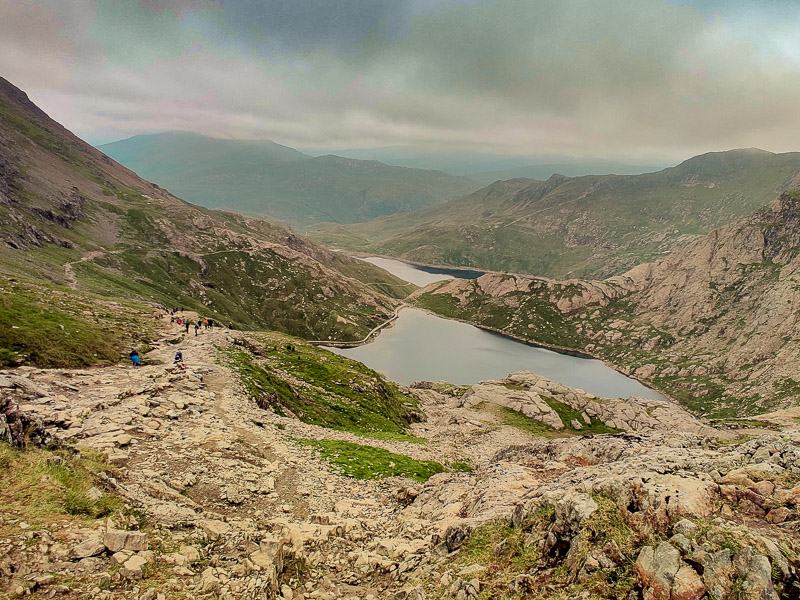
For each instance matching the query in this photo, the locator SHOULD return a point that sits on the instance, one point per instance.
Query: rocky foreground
(218, 500)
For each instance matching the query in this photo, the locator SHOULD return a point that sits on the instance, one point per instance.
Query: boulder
(209, 583)
(687, 584)
(214, 529)
(717, 571)
(657, 569)
(89, 547)
(117, 539)
(756, 573)
(133, 566)
(571, 511)
(191, 553)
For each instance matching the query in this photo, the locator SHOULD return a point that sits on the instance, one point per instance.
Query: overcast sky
(630, 80)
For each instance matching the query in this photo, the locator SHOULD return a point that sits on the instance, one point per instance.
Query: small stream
(421, 346)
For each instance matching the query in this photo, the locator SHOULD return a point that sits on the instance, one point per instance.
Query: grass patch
(52, 327)
(322, 388)
(568, 414)
(391, 436)
(39, 486)
(507, 551)
(461, 467)
(367, 462)
(525, 423)
(744, 423)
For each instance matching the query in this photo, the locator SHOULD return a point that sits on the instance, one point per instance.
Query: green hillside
(591, 226)
(80, 235)
(264, 178)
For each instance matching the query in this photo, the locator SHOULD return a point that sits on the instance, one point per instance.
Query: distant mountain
(177, 153)
(570, 169)
(265, 178)
(79, 230)
(487, 168)
(592, 226)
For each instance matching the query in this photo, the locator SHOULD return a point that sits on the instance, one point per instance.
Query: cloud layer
(633, 79)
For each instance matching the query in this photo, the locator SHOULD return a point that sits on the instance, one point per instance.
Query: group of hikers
(187, 323)
(136, 360)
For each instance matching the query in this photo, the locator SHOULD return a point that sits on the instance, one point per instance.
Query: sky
(637, 80)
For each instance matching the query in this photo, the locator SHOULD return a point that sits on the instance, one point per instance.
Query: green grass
(741, 423)
(567, 414)
(250, 290)
(40, 486)
(335, 392)
(507, 551)
(392, 436)
(367, 462)
(506, 227)
(35, 133)
(537, 428)
(525, 423)
(55, 327)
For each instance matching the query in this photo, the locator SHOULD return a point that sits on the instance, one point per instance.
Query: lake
(421, 346)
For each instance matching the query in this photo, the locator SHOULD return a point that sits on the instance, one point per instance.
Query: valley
(453, 462)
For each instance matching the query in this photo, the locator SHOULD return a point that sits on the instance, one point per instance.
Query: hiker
(179, 356)
(205, 323)
(172, 319)
(210, 323)
(187, 326)
(196, 327)
(180, 320)
(135, 360)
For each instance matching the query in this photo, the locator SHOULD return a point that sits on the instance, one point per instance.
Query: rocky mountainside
(264, 178)
(76, 224)
(187, 484)
(714, 324)
(592, 226)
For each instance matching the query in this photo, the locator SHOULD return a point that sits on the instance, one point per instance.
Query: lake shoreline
(557, 349)
(374, 335)
(575, 354)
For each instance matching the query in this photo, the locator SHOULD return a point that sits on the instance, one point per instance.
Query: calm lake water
(420, 346)
(420, 275)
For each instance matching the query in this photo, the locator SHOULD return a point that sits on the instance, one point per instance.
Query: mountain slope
(714, 324)
(592, 226)
(264, 178)
(76, 222)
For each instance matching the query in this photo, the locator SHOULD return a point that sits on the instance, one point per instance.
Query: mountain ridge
(591, 226)
(268, 179)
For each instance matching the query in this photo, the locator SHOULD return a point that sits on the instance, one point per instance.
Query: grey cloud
(639, 79)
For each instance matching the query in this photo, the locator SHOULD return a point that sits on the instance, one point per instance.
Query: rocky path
(210, 467)
(237, 509)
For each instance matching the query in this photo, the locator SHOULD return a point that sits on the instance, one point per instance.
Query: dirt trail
(69, 273)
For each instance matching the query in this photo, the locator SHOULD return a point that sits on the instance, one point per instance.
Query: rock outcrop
(529, 394)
